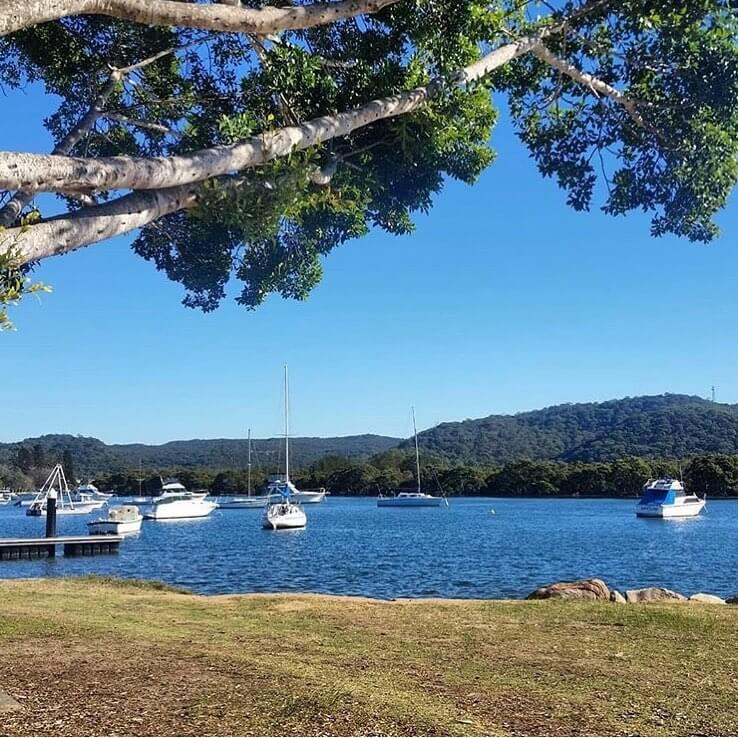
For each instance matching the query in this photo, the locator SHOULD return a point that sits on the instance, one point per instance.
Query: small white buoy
(492, 511)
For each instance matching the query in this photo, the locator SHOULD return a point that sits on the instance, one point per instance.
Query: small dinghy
(120, 519)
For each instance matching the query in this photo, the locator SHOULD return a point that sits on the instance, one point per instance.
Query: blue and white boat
(666, 498)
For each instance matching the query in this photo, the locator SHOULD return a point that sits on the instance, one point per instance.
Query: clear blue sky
(504, 300)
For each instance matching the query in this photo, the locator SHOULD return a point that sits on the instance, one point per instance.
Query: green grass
(72, 651)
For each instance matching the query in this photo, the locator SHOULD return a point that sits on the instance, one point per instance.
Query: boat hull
(179, 510)
(410, 502)
(243, 503)
(308, 498)
(274, 519)
(687, 510)
(114, 527)
(37, 511)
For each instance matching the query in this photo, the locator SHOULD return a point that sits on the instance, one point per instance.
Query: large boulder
(617, 597)
(732, 600)
(708, 599)
(653, 594)
(581, 589)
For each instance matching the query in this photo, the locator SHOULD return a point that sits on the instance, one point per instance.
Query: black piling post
(51, 514)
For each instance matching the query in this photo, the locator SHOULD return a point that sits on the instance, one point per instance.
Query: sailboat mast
(417, 451)
(286, 426)
(249, 465)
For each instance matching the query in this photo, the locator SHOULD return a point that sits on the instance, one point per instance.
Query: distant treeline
(716, 475)
(713, 474)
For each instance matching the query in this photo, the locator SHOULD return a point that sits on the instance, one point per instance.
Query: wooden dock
(38, 548)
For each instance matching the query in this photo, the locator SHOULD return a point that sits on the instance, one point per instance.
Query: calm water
(352, 547)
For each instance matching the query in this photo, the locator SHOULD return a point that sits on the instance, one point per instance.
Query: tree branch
(44, 173)
(18, 14)
(597, 86)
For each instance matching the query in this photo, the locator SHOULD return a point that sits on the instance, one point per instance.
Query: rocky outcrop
(653, 594)
(581, 589)
(617, 597)
(707, 599)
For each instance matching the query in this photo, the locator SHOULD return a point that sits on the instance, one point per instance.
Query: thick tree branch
(36, 172)
(18, 14)
(71, 231)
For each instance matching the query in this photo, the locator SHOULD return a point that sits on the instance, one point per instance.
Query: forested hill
(93, 456)
(662, 426)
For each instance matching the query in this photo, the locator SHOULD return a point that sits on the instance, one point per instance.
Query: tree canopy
(245, 142)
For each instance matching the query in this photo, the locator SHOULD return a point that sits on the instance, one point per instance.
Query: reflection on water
(477, 547)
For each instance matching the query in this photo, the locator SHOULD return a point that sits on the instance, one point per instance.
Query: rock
(615, 596)
(582, 589)
(707, 599)
(732, 600)
(653, 594)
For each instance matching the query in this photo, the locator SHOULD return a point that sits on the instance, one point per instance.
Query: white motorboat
(412, 499)
(284, 514)
(176, 503)
(120, 520)
(57, 483)
(89, 493)
(5, 496)
(666, 498)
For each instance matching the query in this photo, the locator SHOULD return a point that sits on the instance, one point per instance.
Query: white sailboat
(250, 501)
(65, 505)
(412, 499)
(284, 514)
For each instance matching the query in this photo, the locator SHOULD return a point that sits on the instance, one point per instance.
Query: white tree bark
(18, 14)
(48, 173)
(71, 231)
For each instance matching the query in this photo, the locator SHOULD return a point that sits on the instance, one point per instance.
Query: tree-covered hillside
(93, 457)
(661, 426)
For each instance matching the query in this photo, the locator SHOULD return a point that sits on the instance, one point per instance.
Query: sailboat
(65, 505)
(412, 499)
(284, 514)
(248, 502)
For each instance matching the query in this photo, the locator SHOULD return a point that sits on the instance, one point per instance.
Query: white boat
(176, 503)
(121, 519)
(5, 496)
(284, 514)
(57, 483)
(90, 493)
(250, 502)
(412, 499)
(666, 498)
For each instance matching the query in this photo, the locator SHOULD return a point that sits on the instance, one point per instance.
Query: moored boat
(176, 503)
(666, 498)
(120, 519)
(418, 498)
(283, 514)
(56, 483)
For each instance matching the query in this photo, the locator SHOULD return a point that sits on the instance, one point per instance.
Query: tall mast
(417, 451)
(286, 426)
(249, 464)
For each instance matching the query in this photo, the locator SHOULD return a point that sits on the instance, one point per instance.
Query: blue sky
(503, 300)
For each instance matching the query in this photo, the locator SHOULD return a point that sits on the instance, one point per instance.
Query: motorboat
(418, 498)
(276, 486)
(667, 498)
(56, 485)
(284, 513)
(176, 503)
(5, 497)
(120, 520)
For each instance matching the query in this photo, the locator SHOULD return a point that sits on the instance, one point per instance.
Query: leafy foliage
(671, 153)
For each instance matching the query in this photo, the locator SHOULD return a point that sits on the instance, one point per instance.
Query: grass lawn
(93, 656)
